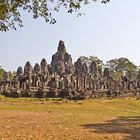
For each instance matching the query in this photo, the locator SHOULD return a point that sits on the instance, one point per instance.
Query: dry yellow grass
(100, 119)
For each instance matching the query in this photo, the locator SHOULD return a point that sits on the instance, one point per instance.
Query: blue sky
(107, 31)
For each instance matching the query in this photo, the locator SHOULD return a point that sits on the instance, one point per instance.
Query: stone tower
(62, 61)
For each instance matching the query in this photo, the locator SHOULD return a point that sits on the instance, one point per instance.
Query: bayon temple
(61, 78)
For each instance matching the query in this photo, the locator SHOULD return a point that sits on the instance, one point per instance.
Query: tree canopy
(122, 66)
(10, 10)
(10, 74)
(1, 73)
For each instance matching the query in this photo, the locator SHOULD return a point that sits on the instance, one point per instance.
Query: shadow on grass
(129, 126)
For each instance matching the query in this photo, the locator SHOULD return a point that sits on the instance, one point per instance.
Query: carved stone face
(61, 47)
(19, 71)
(93, 68)
(44, 67)
(60, 67)
(37, 68)
(106, 72)
(43, 63)
(62, 61)
(27, 68)
(79, 69)
(85, 68)
(60, 56)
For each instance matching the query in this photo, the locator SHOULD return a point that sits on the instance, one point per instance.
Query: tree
(97, 60)
(1, 73)
(11, 74)
(10, 10)
(122, 66)
(88, 60)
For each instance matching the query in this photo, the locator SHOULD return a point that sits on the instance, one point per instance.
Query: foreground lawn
(56, 119)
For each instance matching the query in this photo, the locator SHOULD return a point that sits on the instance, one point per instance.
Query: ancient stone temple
(94, 69)
(44, 67)
(61, 78)
(62, 61)
(86, 66)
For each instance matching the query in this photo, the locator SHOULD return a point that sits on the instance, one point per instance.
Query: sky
(106, 31)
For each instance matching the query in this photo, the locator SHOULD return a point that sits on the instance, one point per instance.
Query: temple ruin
(62, 78)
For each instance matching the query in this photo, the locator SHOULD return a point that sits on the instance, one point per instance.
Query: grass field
(56, 119)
